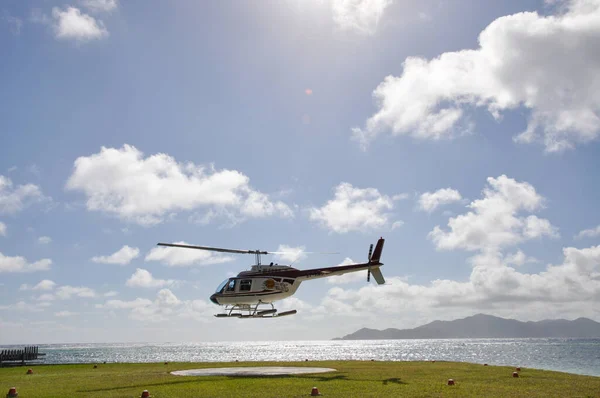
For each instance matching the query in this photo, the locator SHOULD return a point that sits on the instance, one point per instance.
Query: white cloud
(120, 304)
(198, 310)
(99, 5)
(588, 233)
(400, 196)
(535, 227)
(64, 314)
(46, 297)
(181, 257)
(14, 199)
(397, 224)
(291, 255)
(293, 303)
(2, 229)
(353, 209)
(494, 222)
(165, 306)
(72, 24)
(44, 240)
(20, 264)
(336, 304)
(66, 292)
(165, 297)
(257, 204)
(492, 286)
(423, 16)
(359, 15)
(541, 63)
(143, 278)
(112, 293)
(14, 24)
(22, 306)
(34, 169)
(145, 190)
(37, 16)
(519, 258)
(430, 201)
(123, 256)
(45, 284)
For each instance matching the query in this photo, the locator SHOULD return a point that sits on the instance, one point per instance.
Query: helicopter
(247, 294)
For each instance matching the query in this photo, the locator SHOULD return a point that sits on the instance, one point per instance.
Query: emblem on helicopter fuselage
(269, 284)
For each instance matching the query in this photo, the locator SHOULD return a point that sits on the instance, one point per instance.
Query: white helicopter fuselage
(260, 285)
(269, 283)
(265, 284)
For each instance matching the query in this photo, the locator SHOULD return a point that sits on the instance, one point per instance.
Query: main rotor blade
(293, 252)
(219, 249)
(215, 249)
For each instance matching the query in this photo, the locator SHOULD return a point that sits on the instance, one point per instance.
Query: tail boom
(372, 266)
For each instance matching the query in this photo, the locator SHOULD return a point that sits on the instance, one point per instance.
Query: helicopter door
(230, 288)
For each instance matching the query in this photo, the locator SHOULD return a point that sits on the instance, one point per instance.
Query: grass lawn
(352, 379)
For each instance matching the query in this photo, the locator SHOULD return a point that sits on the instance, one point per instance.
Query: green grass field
(352, 379)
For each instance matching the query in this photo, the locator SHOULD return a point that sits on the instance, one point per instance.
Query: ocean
(581, 356)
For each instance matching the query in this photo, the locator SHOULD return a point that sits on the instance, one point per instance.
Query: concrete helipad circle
(251, 371)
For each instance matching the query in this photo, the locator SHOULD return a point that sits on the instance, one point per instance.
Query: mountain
(485, 326)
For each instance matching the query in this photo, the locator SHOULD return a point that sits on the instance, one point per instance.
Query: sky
(463, 132)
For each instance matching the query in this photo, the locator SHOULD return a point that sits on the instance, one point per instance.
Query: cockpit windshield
(221, 286)
(228, 285)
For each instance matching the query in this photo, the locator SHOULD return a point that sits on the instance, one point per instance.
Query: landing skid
(252, 311)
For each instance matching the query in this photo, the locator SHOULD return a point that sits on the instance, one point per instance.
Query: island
(486, 326)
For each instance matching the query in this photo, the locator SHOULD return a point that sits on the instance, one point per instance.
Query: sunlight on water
(570, 355)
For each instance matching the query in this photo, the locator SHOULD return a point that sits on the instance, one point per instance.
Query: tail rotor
(369, 259)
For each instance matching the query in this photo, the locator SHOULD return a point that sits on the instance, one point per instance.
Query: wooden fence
(30, 353)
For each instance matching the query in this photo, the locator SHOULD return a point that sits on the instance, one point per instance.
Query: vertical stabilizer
(376, 256)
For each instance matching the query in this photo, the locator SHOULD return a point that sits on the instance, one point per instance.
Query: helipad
(251, 371)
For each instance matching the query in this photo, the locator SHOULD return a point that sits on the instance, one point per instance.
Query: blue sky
(464, 133)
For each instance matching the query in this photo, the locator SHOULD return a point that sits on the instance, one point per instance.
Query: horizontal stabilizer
(376, 272)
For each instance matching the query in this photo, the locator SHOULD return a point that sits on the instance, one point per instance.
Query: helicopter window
(221, 286)
(246, 285)
(230, 286)
(290, 281)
